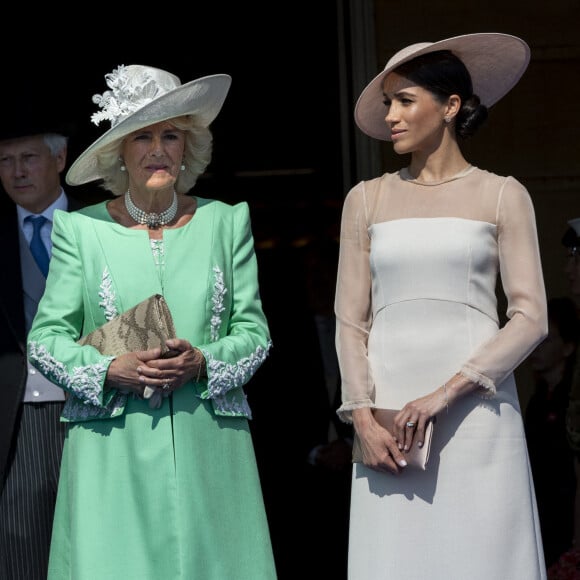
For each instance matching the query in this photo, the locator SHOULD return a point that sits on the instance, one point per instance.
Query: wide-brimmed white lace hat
(140, 96)
(494, 60)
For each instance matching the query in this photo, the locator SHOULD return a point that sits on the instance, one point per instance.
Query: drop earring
(182, 167)
(122, 168)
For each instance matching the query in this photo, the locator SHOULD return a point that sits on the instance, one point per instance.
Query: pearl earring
(122, 168)
(182, 167)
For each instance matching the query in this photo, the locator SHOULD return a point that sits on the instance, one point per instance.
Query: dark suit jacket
(13, 367)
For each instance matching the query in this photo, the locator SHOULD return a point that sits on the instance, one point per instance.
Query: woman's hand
(136, 371)
(411, 421)
(379, 449)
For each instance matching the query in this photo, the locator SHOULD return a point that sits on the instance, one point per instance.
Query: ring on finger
(165, 387)
(410, 424)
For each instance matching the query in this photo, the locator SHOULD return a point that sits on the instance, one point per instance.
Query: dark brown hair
(443, 74)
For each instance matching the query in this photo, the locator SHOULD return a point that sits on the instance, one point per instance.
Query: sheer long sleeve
(353, 307)
(523, 284)
(499, 207)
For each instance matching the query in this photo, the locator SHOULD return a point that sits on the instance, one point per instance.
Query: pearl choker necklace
(152, 220)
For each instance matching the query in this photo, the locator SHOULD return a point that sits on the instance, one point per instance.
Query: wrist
(362, 417)
(201, 366)
(445, 397)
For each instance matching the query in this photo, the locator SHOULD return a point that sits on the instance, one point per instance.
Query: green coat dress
(174, 492)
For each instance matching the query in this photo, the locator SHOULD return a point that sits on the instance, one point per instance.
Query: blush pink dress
(415, 304)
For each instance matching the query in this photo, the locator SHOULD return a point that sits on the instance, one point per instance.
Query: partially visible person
(33, 153)
(571, 242)
(418, 327)
(551, 458)
(568, 565)
(167, 491)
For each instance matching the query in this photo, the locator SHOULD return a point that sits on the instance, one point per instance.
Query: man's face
(30, 173)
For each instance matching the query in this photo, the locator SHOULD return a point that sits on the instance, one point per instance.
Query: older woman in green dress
(169, 491)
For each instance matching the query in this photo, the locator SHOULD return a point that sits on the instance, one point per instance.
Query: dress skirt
(181, 488)
(472, 514)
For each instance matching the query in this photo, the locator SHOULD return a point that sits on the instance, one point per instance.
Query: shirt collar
(61, 202)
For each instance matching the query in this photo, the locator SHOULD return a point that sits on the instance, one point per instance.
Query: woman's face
(414, 116)
(153, 156)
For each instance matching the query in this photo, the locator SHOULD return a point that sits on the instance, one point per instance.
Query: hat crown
(131, 88)
(406, 53)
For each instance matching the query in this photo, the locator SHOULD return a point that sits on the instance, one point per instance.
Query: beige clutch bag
(416, 456)
(147, 325)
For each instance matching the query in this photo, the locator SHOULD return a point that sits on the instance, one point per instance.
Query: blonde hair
(196, 157)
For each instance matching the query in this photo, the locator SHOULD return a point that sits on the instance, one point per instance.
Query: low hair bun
(471, 116)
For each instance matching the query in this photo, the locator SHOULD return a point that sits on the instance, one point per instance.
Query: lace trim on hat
(127, 95)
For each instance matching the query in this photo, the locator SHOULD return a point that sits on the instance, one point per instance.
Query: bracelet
(446, 397)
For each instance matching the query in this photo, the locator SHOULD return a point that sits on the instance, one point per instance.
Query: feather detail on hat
(141, 96)
(128, 94)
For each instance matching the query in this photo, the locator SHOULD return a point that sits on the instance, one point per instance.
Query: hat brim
(22, 117)
(11, 132)
(494, 60)
(202, 98)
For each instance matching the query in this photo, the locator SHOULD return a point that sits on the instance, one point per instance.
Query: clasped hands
(150, 375)
(385, 451)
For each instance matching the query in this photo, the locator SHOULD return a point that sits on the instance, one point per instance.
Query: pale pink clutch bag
(416, 456)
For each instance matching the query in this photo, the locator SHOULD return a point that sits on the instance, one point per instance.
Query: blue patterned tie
(37, 246)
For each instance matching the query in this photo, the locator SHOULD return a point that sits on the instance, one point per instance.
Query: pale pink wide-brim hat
(140, 96)
(494, 60)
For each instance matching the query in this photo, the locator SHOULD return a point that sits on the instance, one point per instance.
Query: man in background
(33, 154)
